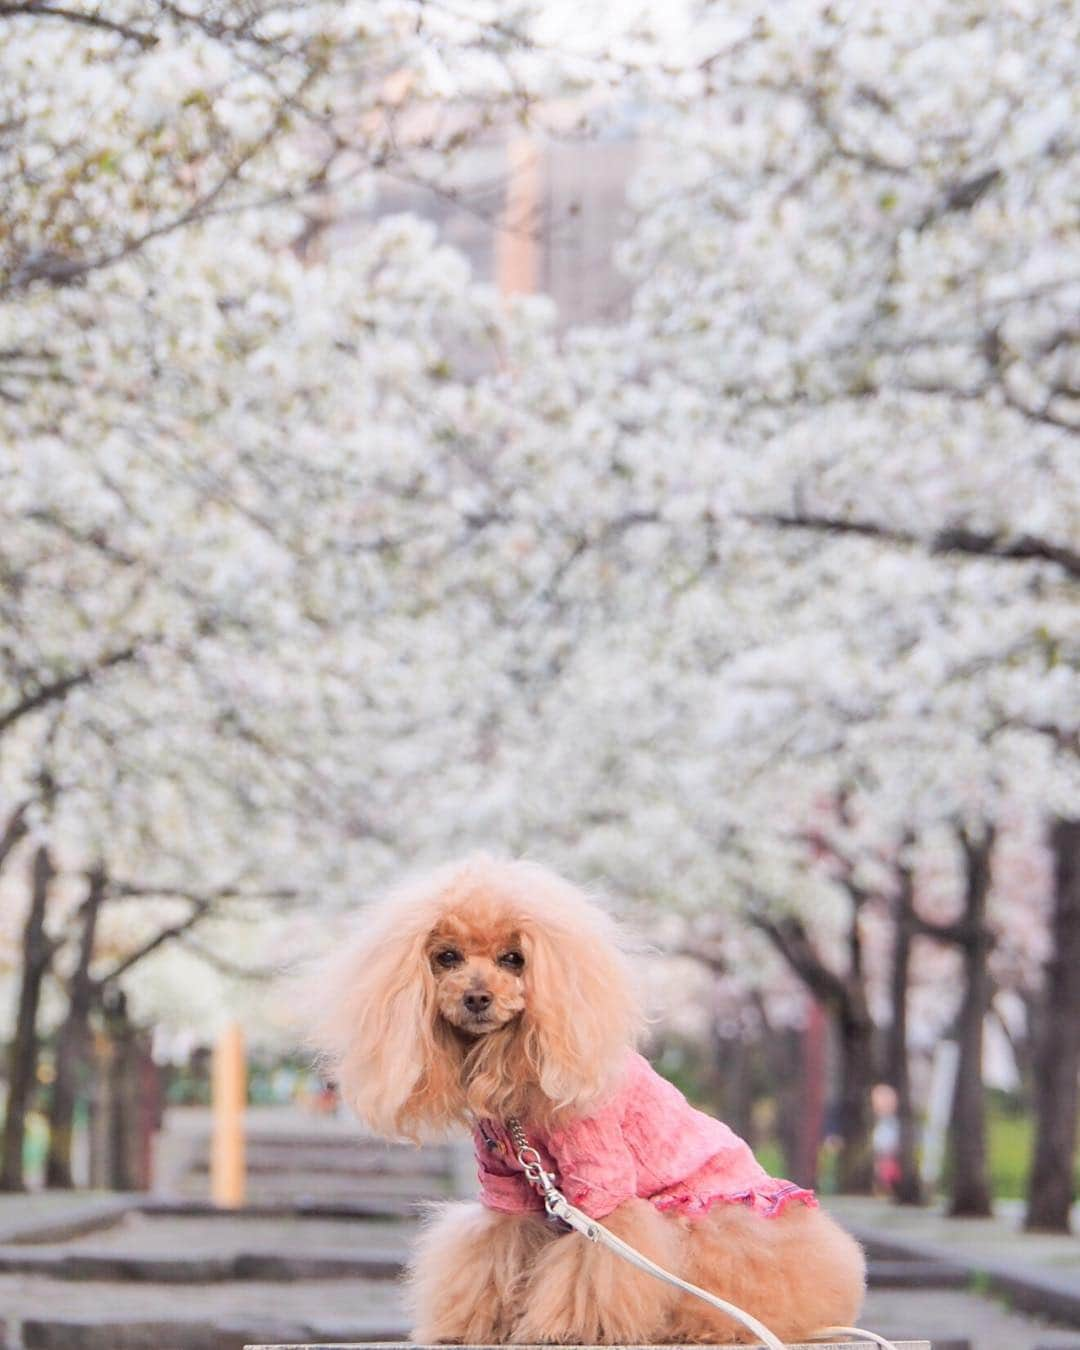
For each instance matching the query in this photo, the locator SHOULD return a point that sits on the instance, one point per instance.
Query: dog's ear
(375, 1027)
(580, 1015)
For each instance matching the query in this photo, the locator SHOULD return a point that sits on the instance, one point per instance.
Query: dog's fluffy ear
(373, 1021)
(581, 1015)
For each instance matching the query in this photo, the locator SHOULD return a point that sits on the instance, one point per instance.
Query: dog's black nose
(477, 1002)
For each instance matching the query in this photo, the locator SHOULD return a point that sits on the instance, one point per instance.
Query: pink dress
(645, 1141)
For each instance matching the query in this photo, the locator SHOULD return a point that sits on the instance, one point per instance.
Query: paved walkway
(955, 1317)
(977, 1240)
(56, 1215)
(1037, 1274)
(176, 1274)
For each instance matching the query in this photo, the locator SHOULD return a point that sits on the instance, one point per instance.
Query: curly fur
(411, 1059)
(401, 1066)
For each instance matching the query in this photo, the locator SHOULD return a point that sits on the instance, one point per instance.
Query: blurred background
(642, 437)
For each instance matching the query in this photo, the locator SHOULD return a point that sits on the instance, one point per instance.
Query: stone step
(1044, 1293)
(83, 1215)
(916, 1275)
(177, 1333)
(281, 1184)
(63, 1263)
(295, 1207)
(336, 1159)
(85, 1263)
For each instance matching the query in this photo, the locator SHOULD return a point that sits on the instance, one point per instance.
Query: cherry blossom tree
(759, 604)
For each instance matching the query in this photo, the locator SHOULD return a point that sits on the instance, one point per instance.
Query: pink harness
(645, 1141)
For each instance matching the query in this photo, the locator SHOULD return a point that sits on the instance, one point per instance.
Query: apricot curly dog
(495, 990)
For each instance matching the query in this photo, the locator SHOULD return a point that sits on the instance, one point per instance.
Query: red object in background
(150, 1114)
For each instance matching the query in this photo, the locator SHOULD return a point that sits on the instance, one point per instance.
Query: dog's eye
(448, 958)
(512, 960)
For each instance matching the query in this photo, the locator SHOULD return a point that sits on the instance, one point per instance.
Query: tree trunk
(908, 1190)
(1051, 1189)
(125, 1117)
(36, 954)
(735, 1070)
(855, 1165)
(783, 1048)
(73, 1043)
(970, 1179)
(844, 998)
(810, 1125)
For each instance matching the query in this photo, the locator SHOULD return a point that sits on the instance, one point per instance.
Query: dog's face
(486, 989)
(479, 975)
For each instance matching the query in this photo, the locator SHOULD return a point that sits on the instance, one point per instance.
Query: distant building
(535, 217)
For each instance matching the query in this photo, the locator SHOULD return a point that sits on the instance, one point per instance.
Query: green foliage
(1010, 1140)
(770, 1155)
(1010, 1131)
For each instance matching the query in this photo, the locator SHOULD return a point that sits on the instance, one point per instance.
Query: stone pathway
(956, 1318)
(314, 1256)
(998, 1239)
(1034, 1273)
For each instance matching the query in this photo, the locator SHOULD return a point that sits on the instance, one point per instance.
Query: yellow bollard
(517, 246)
(229, 1099)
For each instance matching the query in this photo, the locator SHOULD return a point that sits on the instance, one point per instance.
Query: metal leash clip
(555, 1203)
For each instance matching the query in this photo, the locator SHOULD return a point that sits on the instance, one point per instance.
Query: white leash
(558, 1207)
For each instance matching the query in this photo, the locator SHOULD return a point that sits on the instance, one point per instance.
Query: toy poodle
(494, 991)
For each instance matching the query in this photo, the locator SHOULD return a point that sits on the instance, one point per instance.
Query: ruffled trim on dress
(766, 1201)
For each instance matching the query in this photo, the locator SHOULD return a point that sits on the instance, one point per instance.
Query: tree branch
(59, 689)
(233, 969)
(198, 912)
(955, 539)
(33, 9)
(126, 890)
(15, 831)
(791, 940)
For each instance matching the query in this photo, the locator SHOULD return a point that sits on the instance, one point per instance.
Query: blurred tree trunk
(909, 1190)
(970, 1175)
(1050, 1193)
(782, 1048)
(855, 1165)
(733, 1057)
(844, 997)
(73, 1046)
(120, 1124)
(37, 952)
(125, 1101)
(810, 1103)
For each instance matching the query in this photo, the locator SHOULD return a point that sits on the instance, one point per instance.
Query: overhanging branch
(1022, 548)
(56, 690)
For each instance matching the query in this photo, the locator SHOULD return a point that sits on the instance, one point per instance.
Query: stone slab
(323, 1265)
(267, 1155)
(203, 1268)
(106, 1333)
(1052, 1297)
(950, 1317)
(1057, 1300)
(167, 1333)
(916, 1275)
(675, 1345)
(68, 1221)
(300, 1207)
